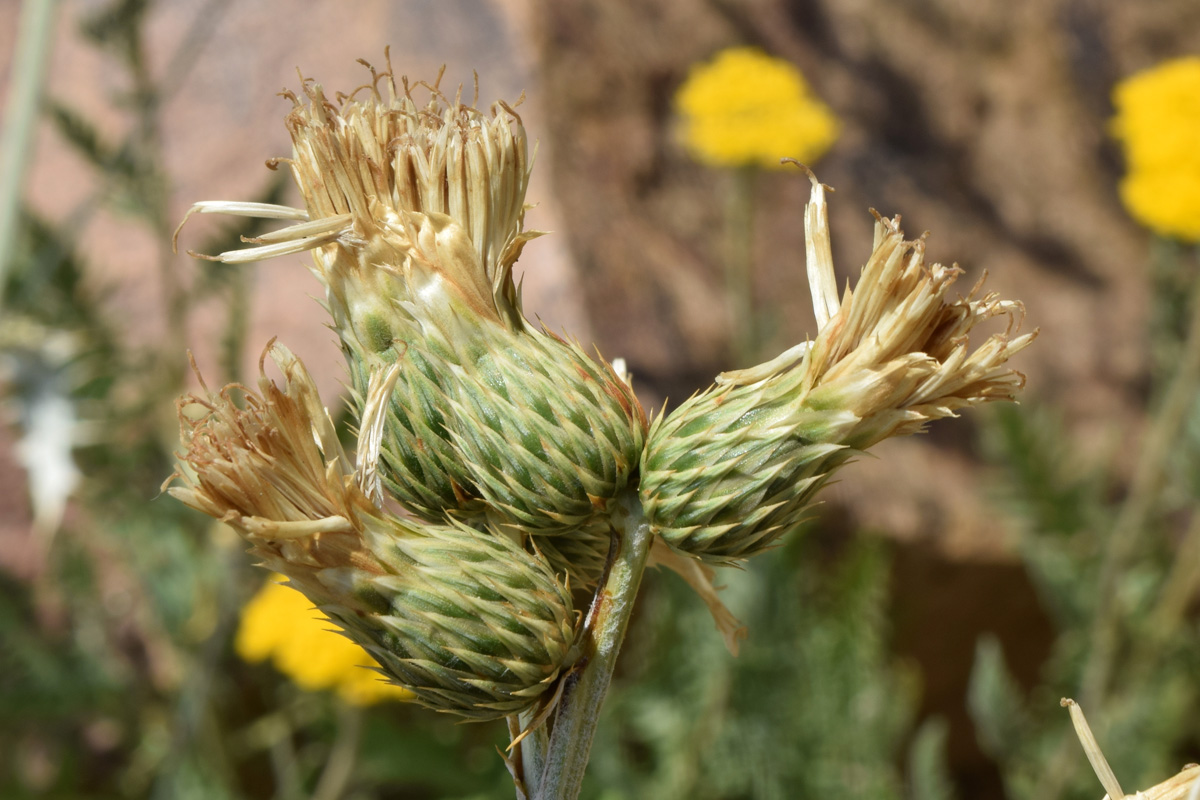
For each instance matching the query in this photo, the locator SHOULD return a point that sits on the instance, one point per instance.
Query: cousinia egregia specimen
(532, 481)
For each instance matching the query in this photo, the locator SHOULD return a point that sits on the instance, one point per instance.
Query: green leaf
(995, 701)
(928, 770)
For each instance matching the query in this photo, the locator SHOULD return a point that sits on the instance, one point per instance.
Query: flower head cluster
(1158, 125)
(415, 217)
(281, 625)
(746, 107)
(466, 620)
(510, 448)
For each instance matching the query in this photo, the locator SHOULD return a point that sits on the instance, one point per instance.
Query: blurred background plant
(1044, 551)
(1117, 564)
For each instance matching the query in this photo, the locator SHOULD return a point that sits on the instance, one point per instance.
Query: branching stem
(575, 724)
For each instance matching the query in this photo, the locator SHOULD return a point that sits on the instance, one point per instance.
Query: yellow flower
(281, 624)
(746, 107)
(1158, 123)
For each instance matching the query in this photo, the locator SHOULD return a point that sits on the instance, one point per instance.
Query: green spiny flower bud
(471, 624)
(415, 217)
(420, 466)
(548, 434)
(467, 620)
(737, 465)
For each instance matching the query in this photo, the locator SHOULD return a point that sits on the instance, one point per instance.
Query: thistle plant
(526, 469)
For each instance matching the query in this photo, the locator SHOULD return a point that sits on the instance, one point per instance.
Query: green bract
(470, 624)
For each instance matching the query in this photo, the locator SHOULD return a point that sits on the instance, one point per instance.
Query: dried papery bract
(467, 620)
(1184, 785)
(738, 465)
(415, 217)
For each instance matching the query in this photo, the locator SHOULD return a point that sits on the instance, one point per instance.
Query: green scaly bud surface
(469, 622)
(419, 464)
(549, 435)
(580, 555)
(519, 428)
(734, 468)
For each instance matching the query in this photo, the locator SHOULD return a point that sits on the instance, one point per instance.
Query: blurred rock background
(984, 123)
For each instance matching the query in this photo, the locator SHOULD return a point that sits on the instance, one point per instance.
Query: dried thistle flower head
(466, 620)
(736, 466)
(415, 217)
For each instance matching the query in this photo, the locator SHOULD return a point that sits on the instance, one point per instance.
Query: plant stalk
(739, 266)
(339, 767)
(1145, 489)
(575, 723)
(35, 40)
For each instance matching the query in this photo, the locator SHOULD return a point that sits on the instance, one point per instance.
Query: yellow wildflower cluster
(747, 108)
(281, 624)
(1158, 123)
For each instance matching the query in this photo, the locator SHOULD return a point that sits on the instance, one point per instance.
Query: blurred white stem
(339, 768)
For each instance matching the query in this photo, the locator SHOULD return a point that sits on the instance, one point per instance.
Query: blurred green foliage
(1113, 547)
(814, 705)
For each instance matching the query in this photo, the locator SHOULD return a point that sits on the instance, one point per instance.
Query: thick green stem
(527, 760)
(575, 724)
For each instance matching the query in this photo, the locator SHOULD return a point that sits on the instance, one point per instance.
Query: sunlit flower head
(1158, 124)
(281, 624)
(467, 619)
(746, 107)
(414, 213)
(737, 466)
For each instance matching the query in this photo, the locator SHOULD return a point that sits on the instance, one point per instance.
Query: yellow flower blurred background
(279, 624)
(1158, 125)
(745, 107)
